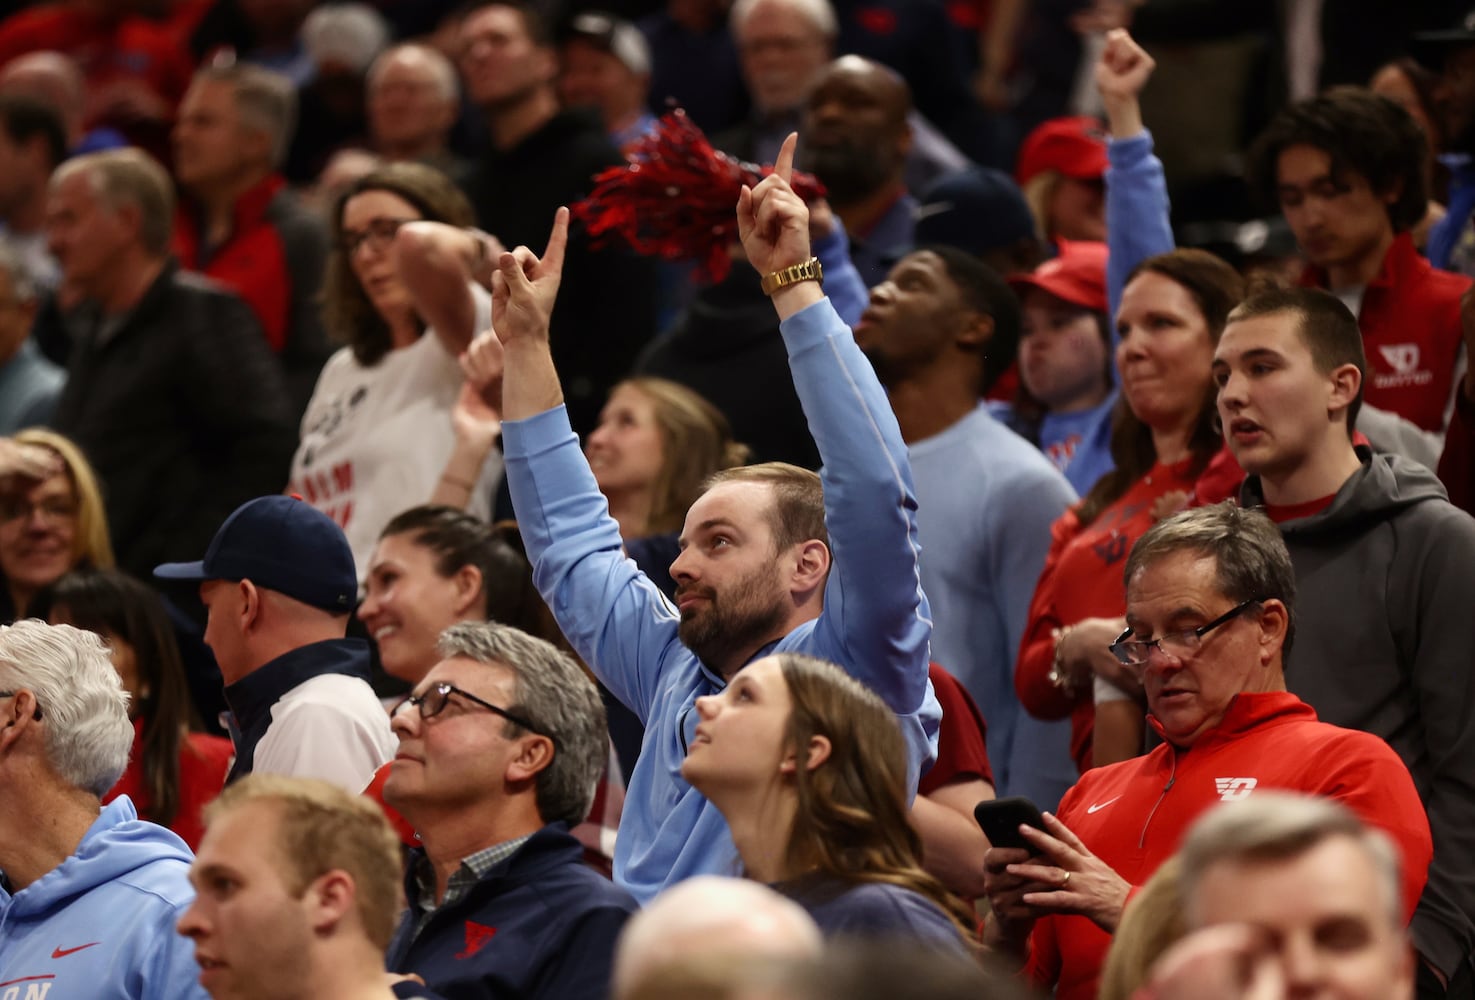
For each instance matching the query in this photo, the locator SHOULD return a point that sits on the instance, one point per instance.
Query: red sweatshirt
(1133, 815)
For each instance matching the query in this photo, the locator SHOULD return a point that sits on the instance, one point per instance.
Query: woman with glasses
(174, 770)
(808, 767)
(401, 292)
(52, 518)
(1165, 435)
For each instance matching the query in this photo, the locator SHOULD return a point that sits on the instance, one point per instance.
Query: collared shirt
(474, 868)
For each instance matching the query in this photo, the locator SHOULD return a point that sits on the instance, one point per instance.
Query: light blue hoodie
(100, 925)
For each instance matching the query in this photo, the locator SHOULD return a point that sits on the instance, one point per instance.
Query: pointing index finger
(784, 165)
(557, 242)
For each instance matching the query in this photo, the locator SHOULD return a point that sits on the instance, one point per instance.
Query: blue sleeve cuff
(538, 433)
(1128, 152)
(812, 325)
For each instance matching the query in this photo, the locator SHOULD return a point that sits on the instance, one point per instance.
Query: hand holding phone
(1000, 820)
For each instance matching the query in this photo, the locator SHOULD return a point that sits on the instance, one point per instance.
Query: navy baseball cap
(281, 543)
(976, 210)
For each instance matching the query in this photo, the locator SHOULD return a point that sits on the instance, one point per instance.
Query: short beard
(723, 630)
(850, 172)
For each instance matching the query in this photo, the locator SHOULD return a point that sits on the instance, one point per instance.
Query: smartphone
(1000, 819)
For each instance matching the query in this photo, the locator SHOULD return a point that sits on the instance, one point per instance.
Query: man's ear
(1275, 621)
(977, 330)
(251, 600)
(534, 755)
(19, 717)
(329, 898)
(811, 565)
(815, 754)
(1346, 381)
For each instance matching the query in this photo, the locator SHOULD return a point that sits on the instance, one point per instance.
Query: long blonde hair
(1150, 925)
(92, 548)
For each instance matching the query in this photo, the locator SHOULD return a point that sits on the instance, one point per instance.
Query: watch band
(809, 270)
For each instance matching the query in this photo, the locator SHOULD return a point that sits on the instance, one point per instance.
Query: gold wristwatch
(809, 270)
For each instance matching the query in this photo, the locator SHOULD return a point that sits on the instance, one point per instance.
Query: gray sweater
(1385, 643)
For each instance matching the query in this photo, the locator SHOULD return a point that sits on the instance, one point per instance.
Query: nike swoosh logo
(1091, 810)
(64, 952)
(927, 211)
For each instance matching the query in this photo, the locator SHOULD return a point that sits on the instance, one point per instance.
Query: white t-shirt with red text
(375, 440)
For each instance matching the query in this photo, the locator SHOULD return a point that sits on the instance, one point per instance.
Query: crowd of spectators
(430, 566)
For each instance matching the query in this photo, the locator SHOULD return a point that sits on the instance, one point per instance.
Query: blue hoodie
(100, 925)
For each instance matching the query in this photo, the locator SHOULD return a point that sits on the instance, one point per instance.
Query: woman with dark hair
(174, 771)
(1165, 435)
(401, 291)
(435, 567)
(809, 768)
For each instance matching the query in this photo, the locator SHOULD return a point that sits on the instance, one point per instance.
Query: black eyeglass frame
(11, 694)
(444, 691)
(1119, 648)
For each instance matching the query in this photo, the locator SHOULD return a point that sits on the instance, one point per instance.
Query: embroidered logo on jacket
(477, 936)
(1404, 360)
(60, 952)
(1235, 788)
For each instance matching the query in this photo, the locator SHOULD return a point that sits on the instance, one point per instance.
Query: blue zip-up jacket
(875, 621)
(100, 925)
(541, 925)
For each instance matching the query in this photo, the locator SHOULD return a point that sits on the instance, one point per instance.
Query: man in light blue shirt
(768, 563)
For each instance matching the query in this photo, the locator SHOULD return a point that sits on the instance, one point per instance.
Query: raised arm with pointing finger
(755, 576)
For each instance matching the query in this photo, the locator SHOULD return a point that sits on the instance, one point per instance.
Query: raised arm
(616, 619)
(876, 620)
(437, 263)
(1137, 222)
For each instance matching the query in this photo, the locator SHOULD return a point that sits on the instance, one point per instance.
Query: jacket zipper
(1172, 777)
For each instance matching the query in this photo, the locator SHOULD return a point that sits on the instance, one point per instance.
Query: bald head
(724, 922)
(52, 78)
(856, 135)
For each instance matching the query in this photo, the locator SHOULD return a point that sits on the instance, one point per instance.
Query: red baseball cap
(1075, 147)
(1077, 275)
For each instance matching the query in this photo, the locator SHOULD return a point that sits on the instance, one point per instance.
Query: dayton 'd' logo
(1234, 788)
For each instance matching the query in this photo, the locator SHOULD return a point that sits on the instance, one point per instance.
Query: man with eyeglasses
(89, 894)
(1210, 597)
(278, 584)
(500, 747)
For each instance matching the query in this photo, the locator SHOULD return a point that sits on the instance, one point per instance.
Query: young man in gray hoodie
(1385, 567)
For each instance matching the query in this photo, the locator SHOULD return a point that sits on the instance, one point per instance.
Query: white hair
(817, 12)
(711, 917)
(350, 34)
(81, 699)
(442, 73)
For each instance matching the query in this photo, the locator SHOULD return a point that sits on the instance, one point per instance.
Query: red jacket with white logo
(1133, 815)
(1410, 323)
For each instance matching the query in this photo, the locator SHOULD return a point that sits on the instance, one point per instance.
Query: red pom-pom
(676, 197)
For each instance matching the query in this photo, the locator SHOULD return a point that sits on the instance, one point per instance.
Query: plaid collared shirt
(473, 869)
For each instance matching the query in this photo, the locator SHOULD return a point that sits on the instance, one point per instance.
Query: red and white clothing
(1410, 321)
(204, 761)
(375, 440)
(1082, 579)
(1133, 815)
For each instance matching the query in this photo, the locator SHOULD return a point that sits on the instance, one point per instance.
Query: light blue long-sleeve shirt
(1137, 213)
(875, 623)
